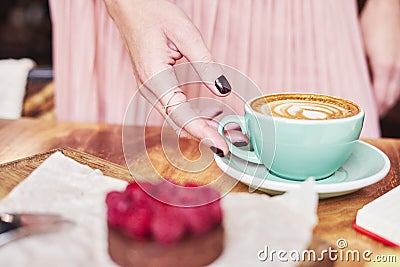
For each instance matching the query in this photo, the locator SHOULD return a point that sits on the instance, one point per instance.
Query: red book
(375, 236)
(380, 219)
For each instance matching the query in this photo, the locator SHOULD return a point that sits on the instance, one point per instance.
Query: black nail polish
(240, 143)
(8, 226)
(223, 85)
(219, 113)
(217, 151)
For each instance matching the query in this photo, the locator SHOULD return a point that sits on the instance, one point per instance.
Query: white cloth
(77, 192)
(13, 78)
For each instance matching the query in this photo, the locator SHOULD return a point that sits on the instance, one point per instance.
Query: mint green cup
(295, 149)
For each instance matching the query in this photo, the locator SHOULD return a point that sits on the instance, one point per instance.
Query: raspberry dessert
(164, 225)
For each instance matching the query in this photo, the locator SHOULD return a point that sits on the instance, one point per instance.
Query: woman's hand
(380, 23)
(157, 34)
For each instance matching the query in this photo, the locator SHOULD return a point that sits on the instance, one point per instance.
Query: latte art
(305, 107)
(306, 110)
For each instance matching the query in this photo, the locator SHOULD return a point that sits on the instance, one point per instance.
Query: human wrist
(117, 7)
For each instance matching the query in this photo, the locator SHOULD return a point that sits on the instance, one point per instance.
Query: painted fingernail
(218, 113)
(217, 151)
(223, 85)
(240, 143)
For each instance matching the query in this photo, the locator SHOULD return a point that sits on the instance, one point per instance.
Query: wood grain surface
(26, 137)
(12, 173)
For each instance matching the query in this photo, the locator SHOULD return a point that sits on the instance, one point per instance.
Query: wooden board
(12, 173)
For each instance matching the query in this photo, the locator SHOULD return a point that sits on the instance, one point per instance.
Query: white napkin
(258, 227)
(13, 78)
(61, 185)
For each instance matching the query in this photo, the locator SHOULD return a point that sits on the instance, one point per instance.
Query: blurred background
(25, 32)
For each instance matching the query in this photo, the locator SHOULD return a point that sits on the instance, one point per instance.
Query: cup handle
(243, 154)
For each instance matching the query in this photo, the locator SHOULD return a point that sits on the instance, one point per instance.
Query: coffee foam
(305, 107)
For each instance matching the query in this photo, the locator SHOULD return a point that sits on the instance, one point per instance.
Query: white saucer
(367, 165)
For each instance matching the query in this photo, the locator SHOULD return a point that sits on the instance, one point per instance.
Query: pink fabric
(282, 45)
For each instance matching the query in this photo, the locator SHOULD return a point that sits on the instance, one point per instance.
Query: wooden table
(25, 137)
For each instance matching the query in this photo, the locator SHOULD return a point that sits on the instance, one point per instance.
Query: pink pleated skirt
(282, 45)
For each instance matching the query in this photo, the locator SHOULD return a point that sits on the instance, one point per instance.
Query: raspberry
(188, 198)
(137, 196)
(114, 218)
(215, 211)
(209, 194)
(198, 220)
(141, 216)
(132, 186)
(190, 184)
(117, 208)
(167, 226)
(197, 196)
(113, 198)
(168, 192)
(164, 196)
(137, 223)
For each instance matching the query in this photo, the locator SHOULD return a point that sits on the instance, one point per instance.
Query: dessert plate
(367, 165)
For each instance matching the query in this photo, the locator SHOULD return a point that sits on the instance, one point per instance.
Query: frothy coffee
(305, 106)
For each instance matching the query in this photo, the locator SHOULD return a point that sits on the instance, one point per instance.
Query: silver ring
(168, 105)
